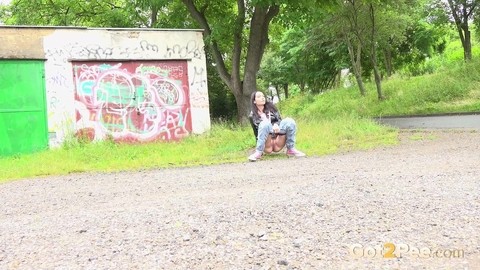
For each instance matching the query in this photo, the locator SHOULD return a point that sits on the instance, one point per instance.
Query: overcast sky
(5, 1)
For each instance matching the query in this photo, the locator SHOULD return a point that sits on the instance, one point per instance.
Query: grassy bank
(453, 89)
(223, 144)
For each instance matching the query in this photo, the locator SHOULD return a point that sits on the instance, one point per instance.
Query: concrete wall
(63, 48)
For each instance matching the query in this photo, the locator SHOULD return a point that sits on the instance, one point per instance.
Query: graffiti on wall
(66, 47)
(132, 101)
(191, 50)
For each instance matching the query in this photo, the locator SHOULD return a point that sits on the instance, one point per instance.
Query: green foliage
(311, 52)
(455, 89)
(448, 56)
(422, 42)
(221, 101)
(72, 13)
(97, 13)
(272, 71)
(299, 60)
(72, 142)
(158, 13)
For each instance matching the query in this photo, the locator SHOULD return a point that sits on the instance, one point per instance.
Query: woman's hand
(276, 128)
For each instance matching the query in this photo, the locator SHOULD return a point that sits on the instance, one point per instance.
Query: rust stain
(133, 34)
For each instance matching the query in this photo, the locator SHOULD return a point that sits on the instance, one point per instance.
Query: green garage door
(23, 117)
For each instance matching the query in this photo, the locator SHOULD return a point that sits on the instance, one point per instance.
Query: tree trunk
(154, 16)
(302, 86)
(467, 46)
(378, 79)
(285, 89)
(258, 40)
(388, 61)
(376, 72)
(465, 38)
(338, 79)
(461, 15)
(279, 95)
(243, 105)
(358, 78)
(356, 64)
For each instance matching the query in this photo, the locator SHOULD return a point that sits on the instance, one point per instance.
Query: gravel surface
(421, 196)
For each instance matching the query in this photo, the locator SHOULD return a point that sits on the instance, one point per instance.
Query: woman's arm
(275, 117)
(253, 124)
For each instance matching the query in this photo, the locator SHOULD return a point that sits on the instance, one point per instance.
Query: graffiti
(152, 69)
(133, 101)
(59, 86)
(198, 78)
(191, 50)
(57, 55)
(198, 88)
(94, 52)
(91, 51)
(129, 53)
(53, 102)
(58, 80)
(142, 101)
(146, 46)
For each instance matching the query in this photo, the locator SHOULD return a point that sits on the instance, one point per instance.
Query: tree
(272, 72)
(422, 41)
(352, 31)
(462, 11)
(159, 13)
(221, 16)
(367, 28)
(301, 57)
(380, 22)
(96, 13)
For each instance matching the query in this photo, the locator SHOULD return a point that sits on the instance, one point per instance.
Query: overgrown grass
(338, 120)
(109, 156)
(225, 143)
(451, 90)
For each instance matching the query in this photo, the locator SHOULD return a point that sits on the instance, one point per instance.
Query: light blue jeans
(287, 126)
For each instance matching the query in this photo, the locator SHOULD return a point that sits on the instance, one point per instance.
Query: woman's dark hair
(269, 107)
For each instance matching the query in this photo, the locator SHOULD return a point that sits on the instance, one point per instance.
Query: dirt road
(418, 201)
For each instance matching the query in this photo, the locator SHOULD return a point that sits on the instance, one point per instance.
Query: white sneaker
(255, 156)
(295, 153)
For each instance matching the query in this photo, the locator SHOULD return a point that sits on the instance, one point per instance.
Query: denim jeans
(287, 126)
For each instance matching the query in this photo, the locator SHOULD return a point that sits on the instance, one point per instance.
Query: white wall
(62, 46)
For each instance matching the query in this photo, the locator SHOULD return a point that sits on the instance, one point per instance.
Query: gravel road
(420, 199)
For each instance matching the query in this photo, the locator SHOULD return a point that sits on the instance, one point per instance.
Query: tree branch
(217, 55)
(259, 35)
(458, 22)
(472, 8)
(237, 44)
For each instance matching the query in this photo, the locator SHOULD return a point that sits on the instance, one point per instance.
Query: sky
(5, 1)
